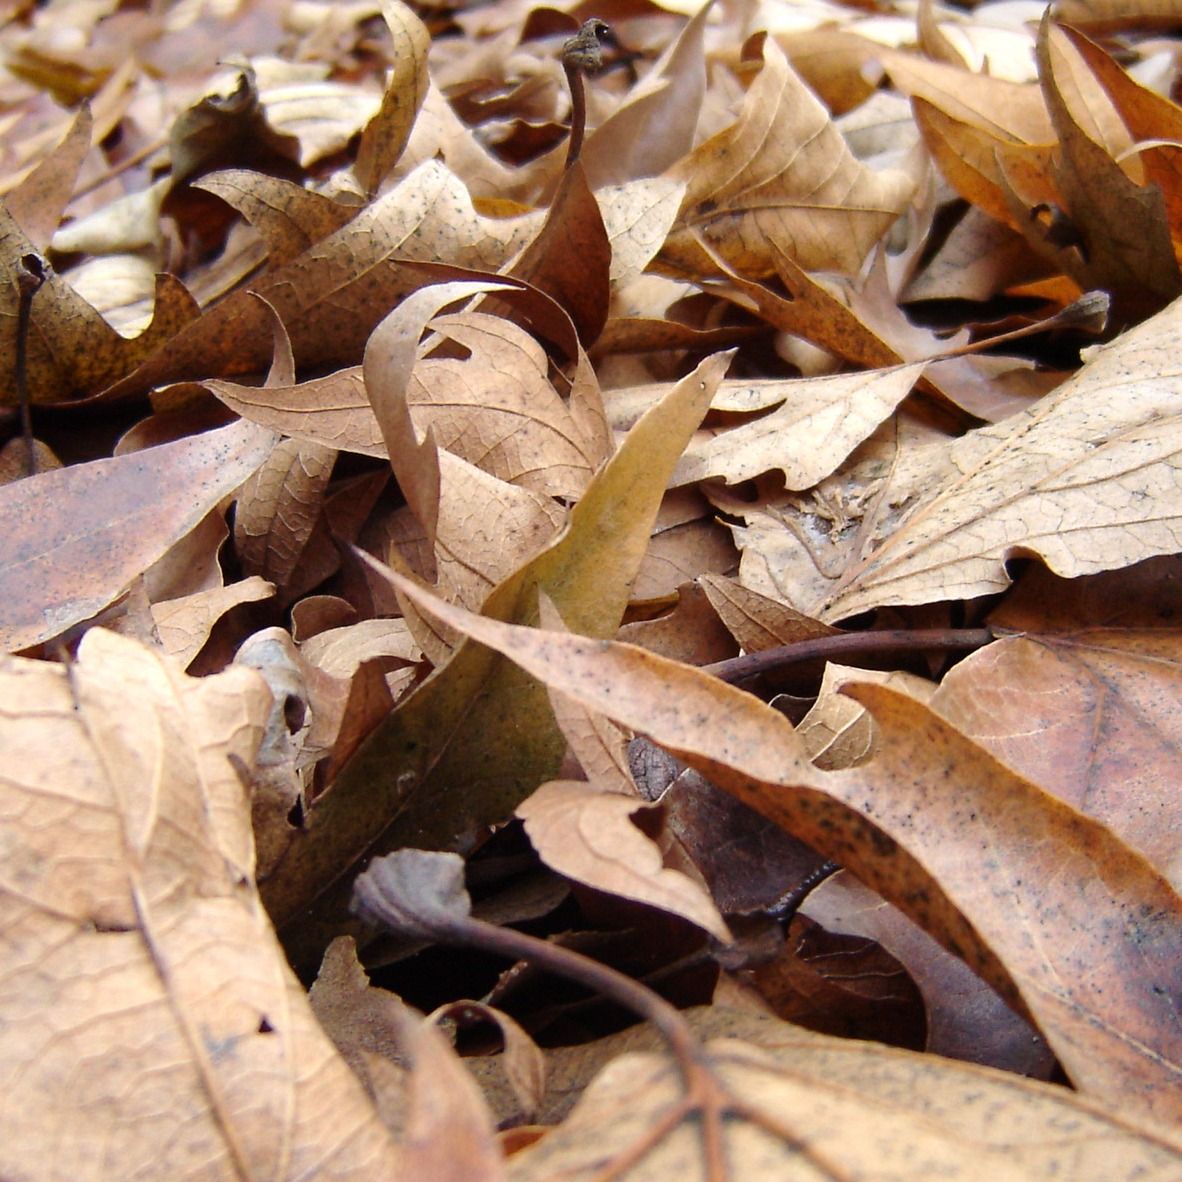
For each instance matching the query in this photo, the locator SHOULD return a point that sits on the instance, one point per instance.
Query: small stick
(582, 54)
(421, 894)
(31, 272)
(738, 669)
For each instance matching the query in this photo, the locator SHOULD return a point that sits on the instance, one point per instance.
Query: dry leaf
(938, 827)
(586, 834)
(386, 134)
(816, 425)
(1083, 479)
(783, 174)
(806, 1106)
(140, 932)
(110, 519)
(587, 572)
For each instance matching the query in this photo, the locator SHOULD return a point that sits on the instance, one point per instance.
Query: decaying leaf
(782, 174)
(490, 520)
(953, 850)
(442, 733)
(111, 519)
(806, 1106)
(128, 881)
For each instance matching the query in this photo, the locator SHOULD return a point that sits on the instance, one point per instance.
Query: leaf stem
(888, 640)
(31, 272)
(582, 54)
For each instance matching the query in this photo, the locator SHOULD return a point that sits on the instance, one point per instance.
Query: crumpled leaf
(586, 834)
(1048, 905)
(1084, 479)
(332, 296)
(441, 733)
(78, 536)
(130, 917)
(806, 1106)
(782, 173)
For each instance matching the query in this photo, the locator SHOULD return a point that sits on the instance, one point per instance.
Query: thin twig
(31, 272)
(582, 54)
(842, 643)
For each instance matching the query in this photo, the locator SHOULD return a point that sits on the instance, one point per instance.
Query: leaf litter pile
(591, 593)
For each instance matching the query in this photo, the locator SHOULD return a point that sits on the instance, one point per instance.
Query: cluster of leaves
(383, 476)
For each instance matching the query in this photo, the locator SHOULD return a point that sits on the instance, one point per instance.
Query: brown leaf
(184, 625)
(805, 1106)
(72, 350)
(1084, 703)
(655, 125)
(278, 507)
(486, 760)
(1084, 479)
(941, 829)
(1154, 123)
(587, 834)
(1126, 247)
(965, 1018)
(756, 621)
(570, 258)
(332, 296)
(783, 174)
(363, 1023)
(386, 134)
(141, 934)
(79, 535)
(37, 203)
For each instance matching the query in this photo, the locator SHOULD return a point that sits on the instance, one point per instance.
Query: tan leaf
(497, 408)
(520, 1065)
(489, 767)
(332, 296)
(184, 625)
(449, 1129)
(837, 732)
(782, 173)
(290, 218)
(655, 125)
(331, 411)
(637, 218)
(141, 934)
(804, 1106)
(278, 507)
(756, 621)
(816, 425)
(386, 134)
(1083, 479)
(587, 834)
(985, 861)
(78, 536)
(1009, 111)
